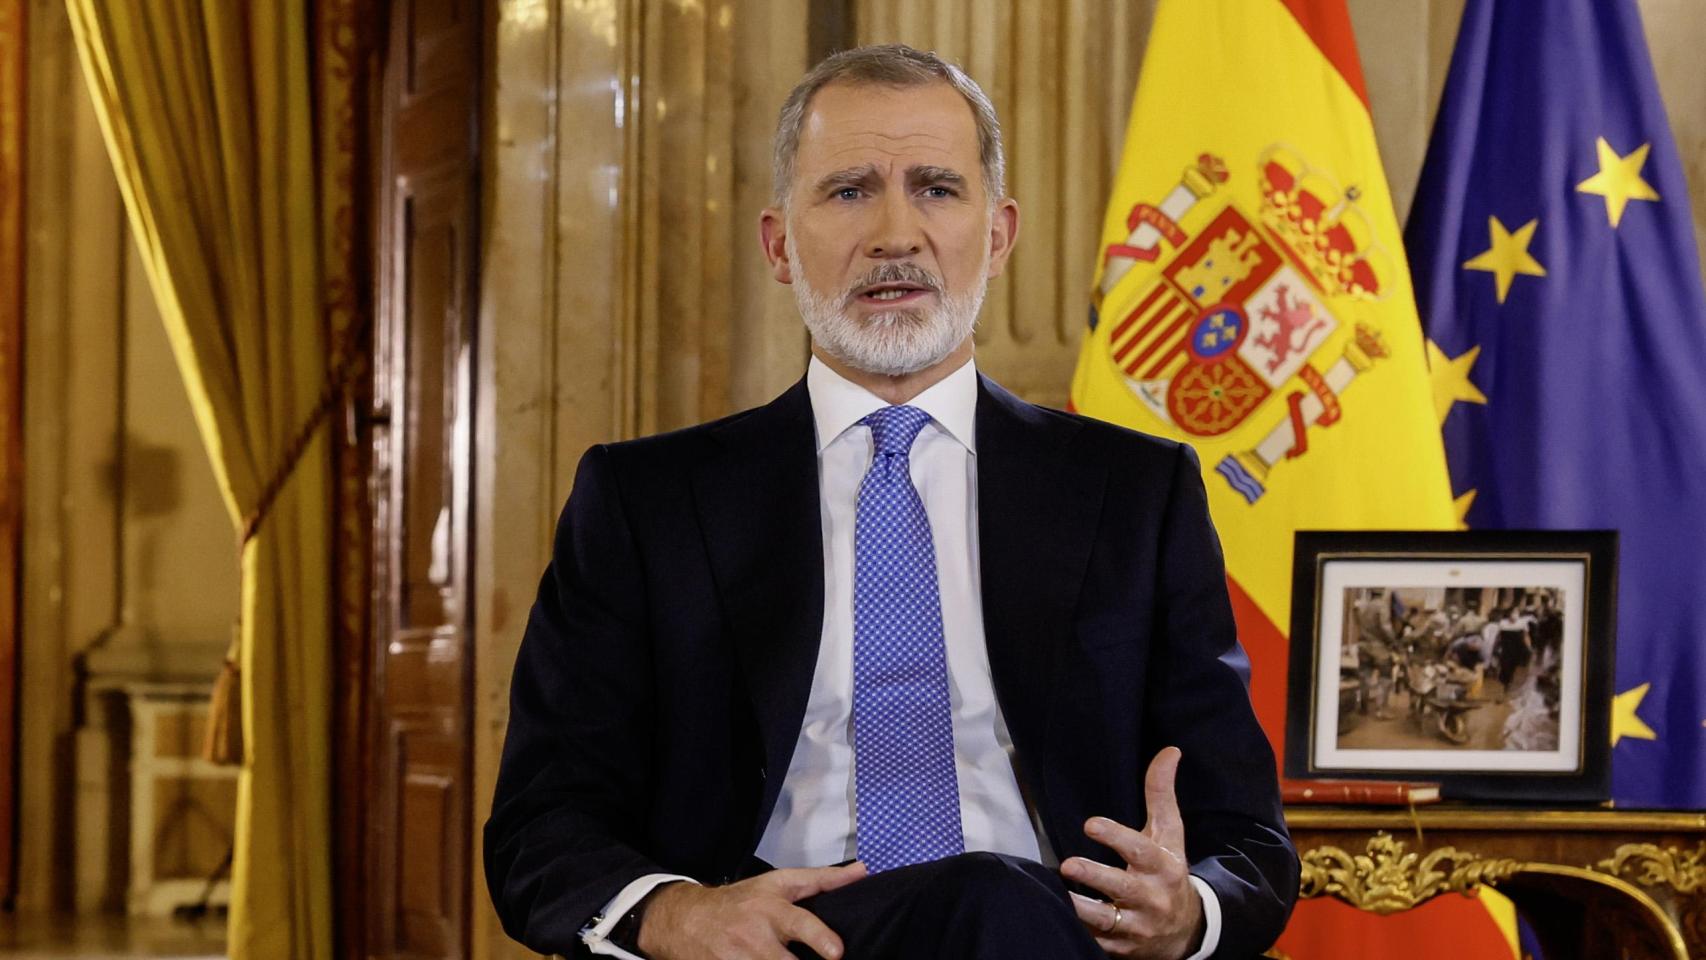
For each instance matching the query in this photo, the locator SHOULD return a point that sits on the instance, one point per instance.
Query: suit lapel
(757, 500)
(1037, 513)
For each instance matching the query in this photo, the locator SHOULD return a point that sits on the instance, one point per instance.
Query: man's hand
(754, 919)
(1155, 911)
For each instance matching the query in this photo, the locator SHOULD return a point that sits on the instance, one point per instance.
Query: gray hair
(890, 65)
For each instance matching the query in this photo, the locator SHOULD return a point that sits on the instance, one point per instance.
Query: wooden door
(420, 692)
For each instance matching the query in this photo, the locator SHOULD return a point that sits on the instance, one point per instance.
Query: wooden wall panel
(624, 289)
(705, 342)
(75, 338)
(767, 340)
(11, 427)
(531, 215)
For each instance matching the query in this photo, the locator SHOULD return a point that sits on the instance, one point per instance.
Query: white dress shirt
(814, 821)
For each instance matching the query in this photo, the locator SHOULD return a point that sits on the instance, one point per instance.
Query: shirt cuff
(1210, 916)
(597, 931)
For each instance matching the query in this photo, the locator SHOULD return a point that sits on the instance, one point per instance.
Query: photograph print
(1447, 667)
(1477, 657)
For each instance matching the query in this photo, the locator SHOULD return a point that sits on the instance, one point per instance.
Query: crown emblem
(1322, 226)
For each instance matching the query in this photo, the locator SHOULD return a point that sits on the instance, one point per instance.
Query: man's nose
(898, 231)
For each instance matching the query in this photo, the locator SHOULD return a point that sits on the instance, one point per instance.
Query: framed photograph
(1480, 660)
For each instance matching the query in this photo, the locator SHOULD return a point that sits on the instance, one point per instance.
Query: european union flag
(1560, 290)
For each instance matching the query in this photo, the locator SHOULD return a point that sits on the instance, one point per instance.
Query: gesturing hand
(1154, 910)
(754, 919)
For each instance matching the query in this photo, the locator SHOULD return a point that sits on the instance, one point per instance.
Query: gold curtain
(207, 110)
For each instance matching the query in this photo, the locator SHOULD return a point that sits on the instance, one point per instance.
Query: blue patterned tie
(903, 735)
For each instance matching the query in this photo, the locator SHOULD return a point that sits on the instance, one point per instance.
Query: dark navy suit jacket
(661, 682)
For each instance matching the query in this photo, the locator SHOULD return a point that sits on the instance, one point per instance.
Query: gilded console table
(1592, 883)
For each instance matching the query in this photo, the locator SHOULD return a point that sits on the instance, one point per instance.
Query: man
(896, 665)
(1548, 632)
(1512, 648)
(1375, 653)
(1472, 622)
(1437, 632)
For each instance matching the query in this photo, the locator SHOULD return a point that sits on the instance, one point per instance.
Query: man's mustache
(899, 272)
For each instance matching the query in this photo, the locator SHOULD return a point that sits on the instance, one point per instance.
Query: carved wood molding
(1653, 866)
(1639, 878)
(1388, 879)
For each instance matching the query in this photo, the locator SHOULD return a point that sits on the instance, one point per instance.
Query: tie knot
(894, 428)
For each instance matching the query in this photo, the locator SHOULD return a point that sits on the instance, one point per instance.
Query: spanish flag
(1253, 300)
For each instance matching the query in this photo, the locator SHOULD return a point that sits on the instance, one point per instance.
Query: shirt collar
(839, 403)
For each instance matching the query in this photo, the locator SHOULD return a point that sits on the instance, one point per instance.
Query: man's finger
(1137, 893)
(1165, 825)
(1097, 917)
(1112, 882)
(802, 882)
(799, 925)
(1138, 850)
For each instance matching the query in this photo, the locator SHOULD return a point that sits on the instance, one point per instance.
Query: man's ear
(1003, 233)
(773, 237)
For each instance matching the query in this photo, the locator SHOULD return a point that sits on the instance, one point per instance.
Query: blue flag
(1560, 291)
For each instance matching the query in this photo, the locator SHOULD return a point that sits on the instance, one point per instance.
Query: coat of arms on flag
(1241, 307)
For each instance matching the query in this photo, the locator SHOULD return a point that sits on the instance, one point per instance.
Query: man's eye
(847, 193)
(938, 192)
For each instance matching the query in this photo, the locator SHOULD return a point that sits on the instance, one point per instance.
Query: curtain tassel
(224, 741)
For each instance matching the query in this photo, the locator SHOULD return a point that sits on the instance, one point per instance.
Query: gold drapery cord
(293, 451)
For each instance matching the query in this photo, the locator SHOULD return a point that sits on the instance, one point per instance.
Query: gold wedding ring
(1115, 925)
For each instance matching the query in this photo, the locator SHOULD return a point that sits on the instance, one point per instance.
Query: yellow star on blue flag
(1461, 504)
(1508, 255)
(1625, 721)
(1450, 377)
(1619, 179)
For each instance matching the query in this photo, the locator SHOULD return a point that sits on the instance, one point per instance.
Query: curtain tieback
(334, 390)
(224, 741)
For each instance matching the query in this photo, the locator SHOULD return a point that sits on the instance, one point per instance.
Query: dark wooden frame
(345, 68)
(12, 73)
(1596, 550)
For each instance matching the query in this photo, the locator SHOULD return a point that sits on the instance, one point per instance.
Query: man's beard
(891, 342)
